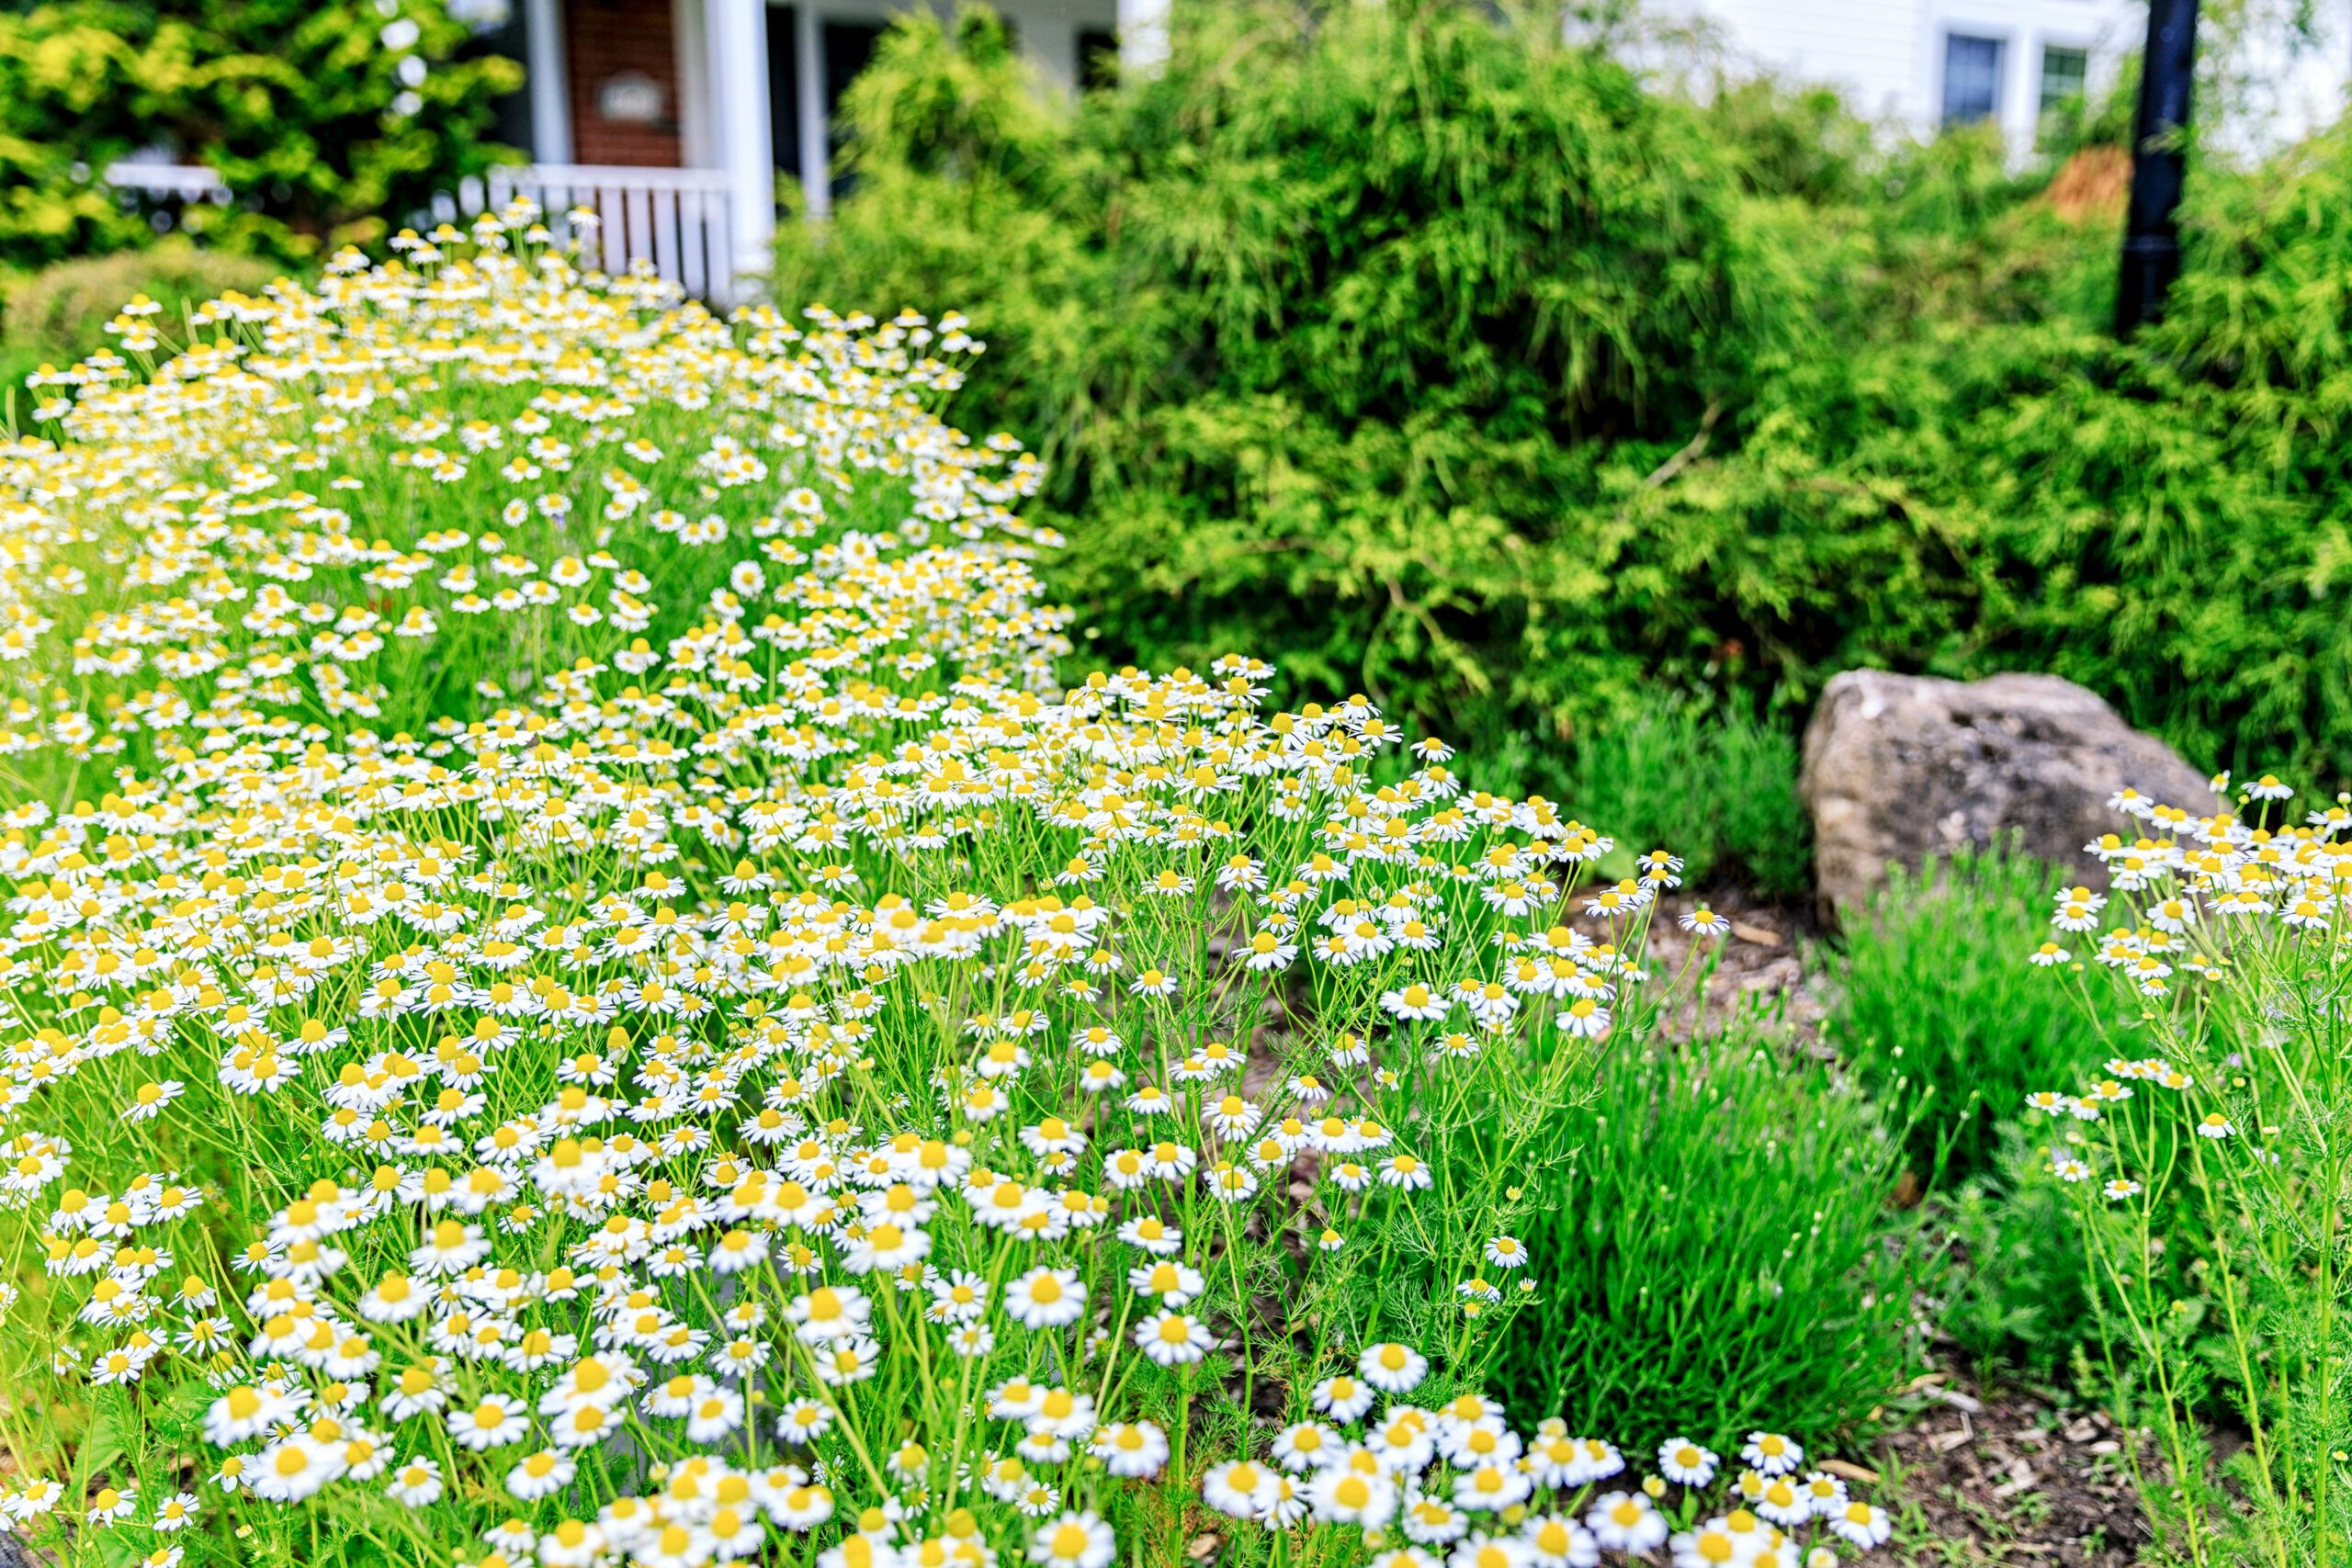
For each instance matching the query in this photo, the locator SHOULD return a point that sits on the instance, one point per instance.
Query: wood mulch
(2005, 1476)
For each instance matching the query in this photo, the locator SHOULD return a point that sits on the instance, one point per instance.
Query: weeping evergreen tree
(1328, 326)
(1461, 366)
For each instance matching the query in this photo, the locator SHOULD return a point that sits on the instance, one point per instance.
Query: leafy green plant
(330, 121)
(1933, 994)
(1722, 1243)
(2014, 1300)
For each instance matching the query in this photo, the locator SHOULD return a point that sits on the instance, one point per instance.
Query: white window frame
(1962, 27)
(2044, 42)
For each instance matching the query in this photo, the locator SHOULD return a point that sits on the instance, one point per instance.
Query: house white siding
(1868, 49)
(1896, 59)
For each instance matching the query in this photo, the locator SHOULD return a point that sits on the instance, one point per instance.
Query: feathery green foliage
(1328, 332)
(2016, 1301)
(1720, 786)
(1935, 994)
(1464, 367)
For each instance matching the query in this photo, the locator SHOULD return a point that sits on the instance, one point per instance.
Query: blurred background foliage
(58, 314)
(331, 120)
(1439, 359)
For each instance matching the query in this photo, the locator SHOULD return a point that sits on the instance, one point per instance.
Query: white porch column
(735, 34)
(816, 131)
(694, 137)
(551, 91)
(1143, 33)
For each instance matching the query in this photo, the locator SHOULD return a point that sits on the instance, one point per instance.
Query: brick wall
(603, 38)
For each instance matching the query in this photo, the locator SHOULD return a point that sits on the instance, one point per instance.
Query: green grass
(1938, 1009)
(1715, 782)
(1720, 1253)
(1935, 994)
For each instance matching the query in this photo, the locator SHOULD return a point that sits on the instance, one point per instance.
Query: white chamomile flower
(1685, 1463)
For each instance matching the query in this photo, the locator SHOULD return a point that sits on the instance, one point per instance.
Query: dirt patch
(2092, 184)
(2007, 1477)
(1765, 968)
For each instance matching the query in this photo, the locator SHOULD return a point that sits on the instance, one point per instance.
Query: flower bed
(2211, 1163)
(579, 990)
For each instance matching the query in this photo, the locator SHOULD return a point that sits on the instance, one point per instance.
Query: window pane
(783, 89)
(1971, 77)
(2065, 75)
(846, 47)
(1098, 58)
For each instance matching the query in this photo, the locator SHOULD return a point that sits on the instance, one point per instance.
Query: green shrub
(1721, 1248)
(300, 105)
(1328, 332)
(1449, 364)
(2015, 1299)
(1934, 993)
(2161, 522)
(59, 314)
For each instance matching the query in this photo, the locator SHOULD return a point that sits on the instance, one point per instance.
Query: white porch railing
(680, 220)
(185, 181)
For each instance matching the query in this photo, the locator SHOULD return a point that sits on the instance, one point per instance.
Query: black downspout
(2159, 158)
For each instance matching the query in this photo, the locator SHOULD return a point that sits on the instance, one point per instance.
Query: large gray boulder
(1900, 768)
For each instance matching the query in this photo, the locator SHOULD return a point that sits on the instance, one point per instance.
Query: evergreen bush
(59, 314)
(1465, 367)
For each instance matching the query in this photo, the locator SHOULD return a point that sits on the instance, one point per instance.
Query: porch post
(695, 138)
(550, 92)
(735, 33)
(815, 132)
(1143, 33)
